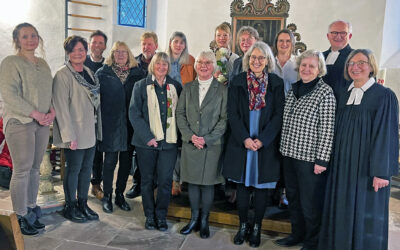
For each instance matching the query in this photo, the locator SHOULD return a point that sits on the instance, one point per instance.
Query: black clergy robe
(335, 74)
(366, 145)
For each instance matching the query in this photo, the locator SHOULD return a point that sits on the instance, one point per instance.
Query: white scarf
(154, 113)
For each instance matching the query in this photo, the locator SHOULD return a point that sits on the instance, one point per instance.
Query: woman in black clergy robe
(365, 157)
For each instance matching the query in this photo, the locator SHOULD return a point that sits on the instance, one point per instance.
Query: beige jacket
(75, 114)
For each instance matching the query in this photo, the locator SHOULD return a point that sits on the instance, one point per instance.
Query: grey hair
(247, 29)
(266, 50)
(159, 56)
(184, 58)
(210, 56)
(349, 26)
(313, 53)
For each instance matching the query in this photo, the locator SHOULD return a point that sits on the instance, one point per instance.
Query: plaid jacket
(308, 125)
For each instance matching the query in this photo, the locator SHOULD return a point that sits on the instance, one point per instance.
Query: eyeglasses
(359, 63)
(259, 58)
(123, 52)
(207, 63)
(335, 33)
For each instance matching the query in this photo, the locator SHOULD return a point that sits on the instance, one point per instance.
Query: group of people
(316, 124)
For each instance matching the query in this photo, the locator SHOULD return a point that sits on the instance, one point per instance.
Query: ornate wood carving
(266, 17)
(260, 8)
(299, 47)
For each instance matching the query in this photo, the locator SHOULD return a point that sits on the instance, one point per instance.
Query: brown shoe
(97, 191)
(176, 188)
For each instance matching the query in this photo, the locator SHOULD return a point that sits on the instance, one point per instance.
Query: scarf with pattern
(121, 71)
(257, 87)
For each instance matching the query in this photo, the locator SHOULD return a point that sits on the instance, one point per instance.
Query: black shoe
(204, 227)
(121, 203)
(38, 225)
(288, 241)
(133, 192)
(72, 213)
(162, 225)
(86, 211)
(107, 203)
(242, 234)
(255, 236)
(26, 228)
(150, 223)
(193, 223)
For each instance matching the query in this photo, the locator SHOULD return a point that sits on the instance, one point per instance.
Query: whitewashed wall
(375, 24)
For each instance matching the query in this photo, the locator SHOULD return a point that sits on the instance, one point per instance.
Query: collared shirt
(176, 71)
(288, 72)
(357, 94)
(331, 58)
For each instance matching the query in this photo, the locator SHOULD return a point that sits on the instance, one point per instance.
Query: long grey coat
(202, 166)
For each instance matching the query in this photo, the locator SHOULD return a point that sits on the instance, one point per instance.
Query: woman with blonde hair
(223, 53)
(117, 78)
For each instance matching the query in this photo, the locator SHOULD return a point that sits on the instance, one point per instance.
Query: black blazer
(269, 158)
(115, 98)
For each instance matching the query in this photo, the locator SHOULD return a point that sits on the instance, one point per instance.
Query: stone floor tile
(41, 242)
(74, 245)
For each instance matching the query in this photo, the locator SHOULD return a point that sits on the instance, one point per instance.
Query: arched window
(132, 13)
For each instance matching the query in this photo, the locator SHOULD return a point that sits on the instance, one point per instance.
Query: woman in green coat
(202, 120)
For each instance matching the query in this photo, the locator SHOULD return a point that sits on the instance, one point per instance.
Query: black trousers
(77, 173)
(155, 163)
(97, 172)
(110, 162)
(201, 195)
(305, 192)
(262, 199)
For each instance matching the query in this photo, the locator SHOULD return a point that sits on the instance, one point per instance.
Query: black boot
(255, 236)
(107, 203)
(37, 213)
(193, 224)
(86, 211)
(121, 203)
(204, 228)
(26, 227)
(72, 212)
(242, 234)
(133, 192)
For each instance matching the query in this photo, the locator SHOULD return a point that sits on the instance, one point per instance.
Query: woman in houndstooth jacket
(306, 144)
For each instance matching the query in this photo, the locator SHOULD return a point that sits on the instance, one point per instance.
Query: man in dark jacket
(339, 35)
(94, 61)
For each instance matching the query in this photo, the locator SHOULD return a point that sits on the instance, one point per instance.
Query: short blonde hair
(313, 53)
(149, 34)
(131, 59)
(371, 61)
(266, 50)
(225, 27)
(159, 56)
(209, 55)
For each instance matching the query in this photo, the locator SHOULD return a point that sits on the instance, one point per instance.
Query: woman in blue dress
(364, 159)
(252, 160)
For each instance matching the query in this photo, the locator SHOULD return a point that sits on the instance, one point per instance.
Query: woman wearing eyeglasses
(364, 159)
(252, 159)
(117, 78)
(306, 145)
(202, 118)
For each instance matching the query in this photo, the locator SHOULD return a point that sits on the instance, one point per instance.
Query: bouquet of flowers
(222, 55)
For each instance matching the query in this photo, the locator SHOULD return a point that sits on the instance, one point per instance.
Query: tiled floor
(124, 230)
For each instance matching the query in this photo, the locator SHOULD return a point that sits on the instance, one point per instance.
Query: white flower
(221, 78)
(224, 51)
(223, 59)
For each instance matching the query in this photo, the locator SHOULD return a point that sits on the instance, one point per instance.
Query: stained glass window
(132, 13)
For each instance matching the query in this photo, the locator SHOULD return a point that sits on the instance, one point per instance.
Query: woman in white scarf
(152, 114)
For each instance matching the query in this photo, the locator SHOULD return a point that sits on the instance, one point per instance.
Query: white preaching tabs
(357, 94)
(332, 57)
